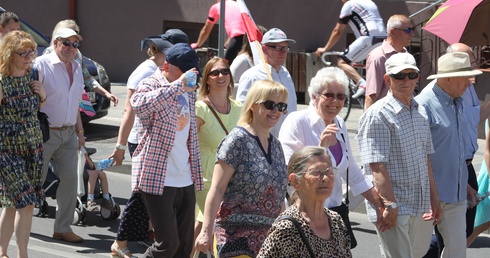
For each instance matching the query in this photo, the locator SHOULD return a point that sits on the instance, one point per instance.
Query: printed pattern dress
(255, 193)
(21, 148)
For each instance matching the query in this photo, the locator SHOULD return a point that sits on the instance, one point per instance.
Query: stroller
(50, 187)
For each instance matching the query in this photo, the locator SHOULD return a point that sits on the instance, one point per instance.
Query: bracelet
(79, 131)
(44, 100)
(120, 146)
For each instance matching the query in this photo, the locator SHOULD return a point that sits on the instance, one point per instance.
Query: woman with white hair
(320, 125)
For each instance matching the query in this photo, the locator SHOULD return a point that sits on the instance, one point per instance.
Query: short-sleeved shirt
(254, 196)
(233, 18)
(399, 136)
(450, 135)
(363, 17)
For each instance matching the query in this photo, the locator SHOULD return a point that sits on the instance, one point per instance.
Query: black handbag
(42, 117)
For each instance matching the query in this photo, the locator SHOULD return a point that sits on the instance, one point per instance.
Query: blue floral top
(255, 193)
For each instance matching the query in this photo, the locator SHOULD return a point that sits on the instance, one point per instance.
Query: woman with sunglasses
(249, 179)
(320, 125)
(312, 175)
(21, 146)
(216, 115)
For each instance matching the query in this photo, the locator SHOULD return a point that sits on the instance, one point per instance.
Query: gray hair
(325, 76)
(395, 21)
(299, 160)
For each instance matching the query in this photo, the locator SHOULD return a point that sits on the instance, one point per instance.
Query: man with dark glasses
(395, 142)
(275, 46)
(400, 32)
(365, 21)
(62, 78)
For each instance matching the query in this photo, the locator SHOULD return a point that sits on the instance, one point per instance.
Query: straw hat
(456, 64)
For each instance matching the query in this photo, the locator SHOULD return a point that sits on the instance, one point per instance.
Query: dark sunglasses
(407, 30)
(215, 73)
(329, 96)
(68, 43)
(27, 53)
(279, 48)
(401, 76)
(271, 105)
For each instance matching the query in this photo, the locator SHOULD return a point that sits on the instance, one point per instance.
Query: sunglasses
(26, 53)
(407, 30)
(278, 48)
(215, 73)
(329, 96)
(68, 43)
(402, 76)
(271, 105)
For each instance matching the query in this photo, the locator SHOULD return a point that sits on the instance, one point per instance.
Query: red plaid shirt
(155, 103)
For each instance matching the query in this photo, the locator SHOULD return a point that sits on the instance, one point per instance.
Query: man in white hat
(394, 141)
(444, 105)
(62, 78)
(275, 46)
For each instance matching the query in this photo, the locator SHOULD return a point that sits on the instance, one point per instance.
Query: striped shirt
(155, 103)
(399, 136)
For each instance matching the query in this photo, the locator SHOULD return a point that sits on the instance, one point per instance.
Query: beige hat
(399, 62)
(456, 64)
(66, 33)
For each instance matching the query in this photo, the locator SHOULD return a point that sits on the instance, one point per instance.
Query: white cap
(66, 33)
(399, 62)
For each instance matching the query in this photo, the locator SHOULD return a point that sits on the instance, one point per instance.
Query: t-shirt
(233, 18)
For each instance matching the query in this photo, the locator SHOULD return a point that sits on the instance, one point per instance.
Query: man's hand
(319, 51)
(112, 98)
(118, 156)
(388, 219)
(435, 212)
(194, 46)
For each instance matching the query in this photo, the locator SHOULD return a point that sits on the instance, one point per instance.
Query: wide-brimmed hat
(456, 64)
(66, 33)
(399, 62)
(165, 41)
(276, 35)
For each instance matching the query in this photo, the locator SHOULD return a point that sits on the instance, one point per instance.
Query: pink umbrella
(464, 21)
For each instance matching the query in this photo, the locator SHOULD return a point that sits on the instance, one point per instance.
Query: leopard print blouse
(284, 239)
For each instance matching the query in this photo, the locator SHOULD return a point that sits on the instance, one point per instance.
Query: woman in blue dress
(21, 146)
(482, 218)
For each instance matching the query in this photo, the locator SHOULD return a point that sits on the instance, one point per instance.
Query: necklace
(228, 106)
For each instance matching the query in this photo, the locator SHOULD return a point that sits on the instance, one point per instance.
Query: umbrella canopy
(464, 21)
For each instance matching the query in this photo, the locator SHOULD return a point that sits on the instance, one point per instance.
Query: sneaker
(360, 92)
(92, 206)
(107, 204)
(68, 237)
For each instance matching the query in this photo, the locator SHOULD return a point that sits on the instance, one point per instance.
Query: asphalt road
(99, 233)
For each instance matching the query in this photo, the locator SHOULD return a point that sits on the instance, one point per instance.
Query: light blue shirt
(449, 136)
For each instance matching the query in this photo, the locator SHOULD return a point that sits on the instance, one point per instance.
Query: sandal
(92, 206)
(124, 253)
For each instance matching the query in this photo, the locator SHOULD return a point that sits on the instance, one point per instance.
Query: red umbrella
(464, 21)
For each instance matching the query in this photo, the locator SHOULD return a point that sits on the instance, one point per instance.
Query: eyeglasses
(271, 105)
(402, 76)
(406, 30)
(215, 73)
(26, 53)
(329, 96)
(68, 43)
(318, 174)
(278, 48)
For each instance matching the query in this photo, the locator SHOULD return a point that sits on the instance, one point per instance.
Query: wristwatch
(392, 205)
(121, 147)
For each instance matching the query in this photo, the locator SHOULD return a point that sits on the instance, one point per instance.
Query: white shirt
(282, 76)
(63, 99)
(303, 129)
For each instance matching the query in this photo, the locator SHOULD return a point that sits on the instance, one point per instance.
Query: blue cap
(165, 41)
(183, 56)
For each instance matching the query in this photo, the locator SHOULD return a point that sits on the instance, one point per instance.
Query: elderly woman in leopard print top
(311, 173)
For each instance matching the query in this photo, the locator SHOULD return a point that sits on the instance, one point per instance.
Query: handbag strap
(347, 157)
(215, 115)
(300, 230)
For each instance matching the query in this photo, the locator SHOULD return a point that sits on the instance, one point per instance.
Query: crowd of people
(248, 175)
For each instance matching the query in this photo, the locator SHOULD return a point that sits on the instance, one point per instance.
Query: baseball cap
(165, 41)
(66, 33)
(183, 56)
(276, 35)
(455, 64)
(399, 62)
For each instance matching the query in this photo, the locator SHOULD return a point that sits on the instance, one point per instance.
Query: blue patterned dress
(21, 148)
(255, 193)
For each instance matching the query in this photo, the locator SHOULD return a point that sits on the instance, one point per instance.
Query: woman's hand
(38, 88)
(328, 137)
(204, 242)
(112, 98)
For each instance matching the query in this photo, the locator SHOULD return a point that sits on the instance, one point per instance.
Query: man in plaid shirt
(166, 164)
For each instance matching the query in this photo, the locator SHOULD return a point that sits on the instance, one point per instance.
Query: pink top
(375, 70)
(233, 18)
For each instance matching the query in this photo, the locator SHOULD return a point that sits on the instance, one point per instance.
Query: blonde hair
(204, 89)
(259, 92)
(10, 44)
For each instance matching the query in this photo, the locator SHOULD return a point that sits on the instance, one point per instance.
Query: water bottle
(105, 163)
(191, 79)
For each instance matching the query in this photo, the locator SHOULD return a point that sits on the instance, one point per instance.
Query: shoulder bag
(41, 116)
(216, 115)
(301, 233)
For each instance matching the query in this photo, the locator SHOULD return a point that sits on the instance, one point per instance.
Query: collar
(388, 49)
(398, 105)
(444, 97)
